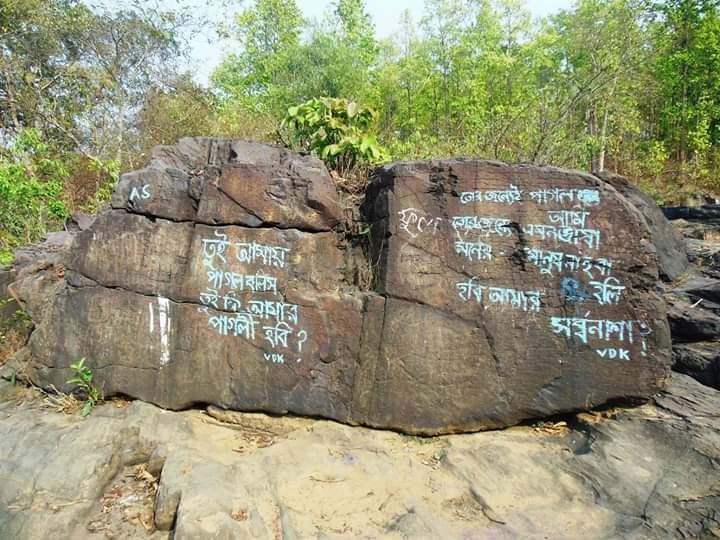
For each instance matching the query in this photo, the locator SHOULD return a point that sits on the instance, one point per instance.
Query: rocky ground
(132, 470)
(694, 299)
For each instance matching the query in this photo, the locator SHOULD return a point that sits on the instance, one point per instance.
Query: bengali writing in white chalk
(569, 252)
(262, 316)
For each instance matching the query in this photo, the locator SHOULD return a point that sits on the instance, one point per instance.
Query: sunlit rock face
(512, 291)
(221, 276)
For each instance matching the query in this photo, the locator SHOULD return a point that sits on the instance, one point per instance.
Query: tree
(72, 82)
(263, 74)
(78, 76)
(31, 182)
(444, 24)
(686, 38)
(128, 54)
(170, 113)
(341, 53)
(36, 52)
(597, 52)
(336, 130)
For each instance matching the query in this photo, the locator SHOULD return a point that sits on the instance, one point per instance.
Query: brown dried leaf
(241, 514)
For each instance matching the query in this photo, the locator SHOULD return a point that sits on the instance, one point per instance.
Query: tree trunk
(601, 150)
(12, 103)
(591, 116)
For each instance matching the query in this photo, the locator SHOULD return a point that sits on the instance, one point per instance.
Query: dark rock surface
(136, 471)
(694, 312)
(464, 281)
(671, 249)
(700, 213)
(705, 255)
(7, 303)
(700, 360)
(220, 276)
(701, 287)
(691, 322)
(232, 183)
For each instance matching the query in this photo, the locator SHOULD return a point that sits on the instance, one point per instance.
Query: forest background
(630, 86)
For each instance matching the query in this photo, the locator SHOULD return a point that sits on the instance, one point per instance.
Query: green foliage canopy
(31, 182)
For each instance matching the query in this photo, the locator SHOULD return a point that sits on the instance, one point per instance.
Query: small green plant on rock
(83, 384)
(336, 130)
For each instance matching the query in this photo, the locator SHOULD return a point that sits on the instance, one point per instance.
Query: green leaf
(320, 134)
(87, 408)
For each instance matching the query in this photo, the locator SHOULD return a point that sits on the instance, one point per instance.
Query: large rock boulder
(511, 287)
(221, 275)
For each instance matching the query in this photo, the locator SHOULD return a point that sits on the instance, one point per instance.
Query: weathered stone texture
(220, 276)
(669, 243)
(489, 305)
(648, 472)
(694, 301)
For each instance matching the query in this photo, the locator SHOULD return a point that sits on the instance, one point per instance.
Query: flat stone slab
(642, 473)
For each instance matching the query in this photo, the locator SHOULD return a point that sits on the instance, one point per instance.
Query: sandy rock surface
(132, 470)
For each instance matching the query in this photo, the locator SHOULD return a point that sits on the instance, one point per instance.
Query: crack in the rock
(490, 340)
(153, 296)
(418, 302)
(96, 284)
(361, 342)
(113, 365)
(664, 473)
(99, 285)
(518, 256)
(242, 206)
(372, 410)
(264, 225)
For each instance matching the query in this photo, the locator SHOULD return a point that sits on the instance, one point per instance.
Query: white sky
(207, 50)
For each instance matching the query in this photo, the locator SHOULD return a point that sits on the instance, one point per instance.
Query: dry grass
(127, 507)
(27, 392)
(83, 184)
(11, 341)
(14, 333)
(241, 514)
(351, 184)
(51, 399)
(552, 428)
(60, 402)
